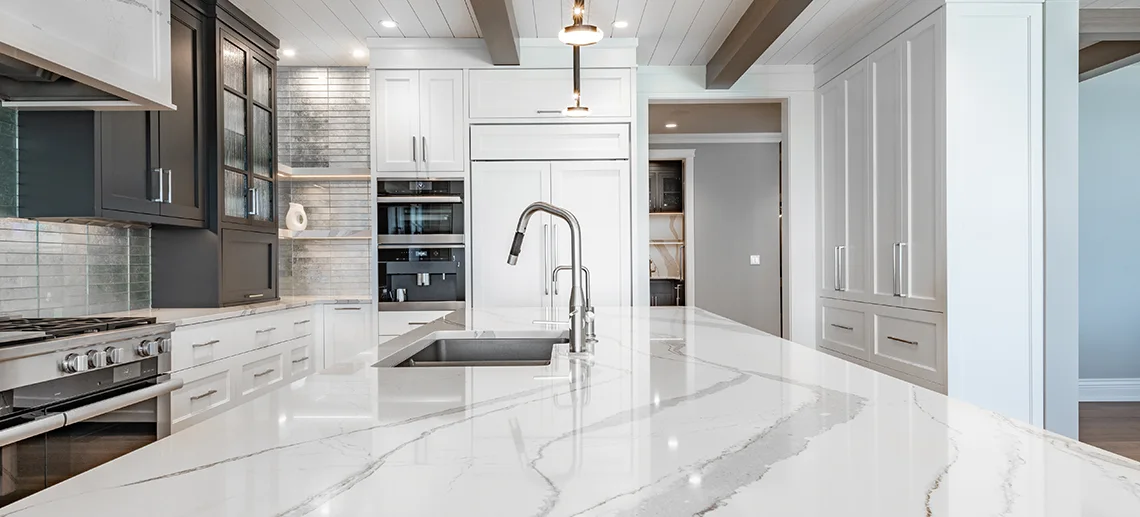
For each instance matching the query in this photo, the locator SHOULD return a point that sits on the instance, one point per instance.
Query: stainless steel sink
(485, 350)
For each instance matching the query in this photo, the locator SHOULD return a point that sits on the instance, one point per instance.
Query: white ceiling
(670, 32)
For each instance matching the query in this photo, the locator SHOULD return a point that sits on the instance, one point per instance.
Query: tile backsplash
(323, 116)
(328, 266)
(57, 269)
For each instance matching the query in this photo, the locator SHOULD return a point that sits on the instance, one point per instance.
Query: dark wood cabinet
(666, 190)
(249, 271)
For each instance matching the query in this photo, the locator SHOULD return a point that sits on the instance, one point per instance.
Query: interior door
(598, 193)
(397, 107)
(885, 67)
(441, 121)
(922, 173)
(180, 138)
(499, 193)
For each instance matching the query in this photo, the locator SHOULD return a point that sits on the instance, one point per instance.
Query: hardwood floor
(1112, 426)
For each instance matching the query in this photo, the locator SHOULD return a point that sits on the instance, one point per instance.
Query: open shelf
(355, 234)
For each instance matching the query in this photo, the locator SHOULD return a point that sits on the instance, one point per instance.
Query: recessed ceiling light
(389, 24)
(359, 52)
(288, 52)
(670, 125)
(621, 24)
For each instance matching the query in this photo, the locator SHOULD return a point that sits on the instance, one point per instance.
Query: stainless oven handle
(106, 406)
(35, 427)
(400, 200)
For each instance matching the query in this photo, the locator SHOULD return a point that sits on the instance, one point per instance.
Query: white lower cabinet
(905, 343)
(396, 323)
(229, 362)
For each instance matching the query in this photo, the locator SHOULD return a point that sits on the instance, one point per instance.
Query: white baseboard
(1110, 390)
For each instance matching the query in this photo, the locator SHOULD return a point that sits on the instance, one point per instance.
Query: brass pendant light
(577, 35)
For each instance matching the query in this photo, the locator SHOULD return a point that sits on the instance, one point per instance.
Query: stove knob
(97, 358)
(114, 355)
(164, 345)
(74, 363)
(147, 348)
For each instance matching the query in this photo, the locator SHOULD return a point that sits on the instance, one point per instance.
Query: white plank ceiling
(669, 32)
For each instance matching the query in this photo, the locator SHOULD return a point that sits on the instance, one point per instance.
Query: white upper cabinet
(544, 93)
(550, 142)
(119, 47)
(418, 121)
(881, 207)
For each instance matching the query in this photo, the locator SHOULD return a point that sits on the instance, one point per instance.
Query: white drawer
(206, 388)
(301, 321)
(399, 323)
(264, 373)
(302, 358)
(517, 93)
(910, 341)
(204, 343)
(844, 328)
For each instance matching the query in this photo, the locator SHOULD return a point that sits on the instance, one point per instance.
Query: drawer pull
(548, 112)
(204, 395)
(262, 331)
(346, 308)
(255, 295)
(211, 342)
(301, 360)
(263, 374)
(900, 340)
(302, 322)
(844, 327)
(418, 322)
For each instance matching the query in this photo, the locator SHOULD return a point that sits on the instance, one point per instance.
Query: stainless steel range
(76, 393)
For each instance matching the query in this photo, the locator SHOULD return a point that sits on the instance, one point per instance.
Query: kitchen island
(678, 412)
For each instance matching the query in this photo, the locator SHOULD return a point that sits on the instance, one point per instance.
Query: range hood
(83, 55)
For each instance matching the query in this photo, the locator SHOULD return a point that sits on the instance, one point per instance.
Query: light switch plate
(754, 260)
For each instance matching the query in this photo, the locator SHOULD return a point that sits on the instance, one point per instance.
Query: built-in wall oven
(419, 212)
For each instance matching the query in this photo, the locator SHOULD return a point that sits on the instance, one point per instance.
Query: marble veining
(678, 412)
(183, 317)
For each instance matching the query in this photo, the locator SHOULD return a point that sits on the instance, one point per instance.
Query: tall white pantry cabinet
(881, 212)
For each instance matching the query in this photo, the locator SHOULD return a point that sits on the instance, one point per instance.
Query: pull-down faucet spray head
(516, 247)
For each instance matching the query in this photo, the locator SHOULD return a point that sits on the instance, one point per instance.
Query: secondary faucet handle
(559, 269)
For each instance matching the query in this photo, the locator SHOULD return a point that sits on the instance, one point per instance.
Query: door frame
(688, 159)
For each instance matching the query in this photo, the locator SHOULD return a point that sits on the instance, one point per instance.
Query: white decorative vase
(296, 219)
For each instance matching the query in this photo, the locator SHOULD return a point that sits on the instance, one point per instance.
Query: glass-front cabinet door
(249, 128)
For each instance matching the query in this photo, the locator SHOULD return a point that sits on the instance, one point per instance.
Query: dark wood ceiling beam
(497, 22)
(757, 29)
(1105, 56)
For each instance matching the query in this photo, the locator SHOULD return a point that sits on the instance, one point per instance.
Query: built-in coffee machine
(420, 259)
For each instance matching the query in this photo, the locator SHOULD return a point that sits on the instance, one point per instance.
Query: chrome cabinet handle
(546, 255)
(204, 395)
(900, 340)
(346, 308)
(844, 327)
(843, 268)
(169, 185)
(251, 198)
(208, 343)
(895, 281)
(255, 295)
(156, 181)
(302, 322)
(835, 268)
(301, 360)
(903, 291)
(548, 112)
(418, 322)
(270, 329)
(266, 372)
(414, 149)
(423, 149)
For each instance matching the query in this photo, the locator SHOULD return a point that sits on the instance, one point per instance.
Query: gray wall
(1110, 225)
(737, 198)
(327, 267)
(323, 115)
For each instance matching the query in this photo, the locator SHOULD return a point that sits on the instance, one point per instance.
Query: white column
(799, 216)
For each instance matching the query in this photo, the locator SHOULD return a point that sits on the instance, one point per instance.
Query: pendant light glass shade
(580, 35)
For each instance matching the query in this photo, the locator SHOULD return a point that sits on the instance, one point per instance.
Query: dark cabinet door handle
(169, 185)
(156, 194)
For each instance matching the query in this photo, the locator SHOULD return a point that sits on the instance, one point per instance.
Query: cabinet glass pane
(236, 190)
(233, 66)
(263, 199)
(261, 83)
(234, 128)
(262, 141)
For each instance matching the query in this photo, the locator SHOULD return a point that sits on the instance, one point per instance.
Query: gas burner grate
(63, 327)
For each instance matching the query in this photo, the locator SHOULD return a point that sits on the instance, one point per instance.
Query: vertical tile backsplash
(323, 116)
(57, 269)
(327, 266)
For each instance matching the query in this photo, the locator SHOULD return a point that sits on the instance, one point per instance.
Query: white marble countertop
(679, 412)
(182, 317)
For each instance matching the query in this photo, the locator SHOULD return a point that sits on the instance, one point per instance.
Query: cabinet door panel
(922, 174)
(180, 140)
(129, 182)
(249, 266)
(499, 193)
(598, 195)
(832, 141)
(441, 121)
(347, 332)
(886, 137)
(397, 111)
(857, 237)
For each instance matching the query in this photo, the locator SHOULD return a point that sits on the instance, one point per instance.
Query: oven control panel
(114, 354)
